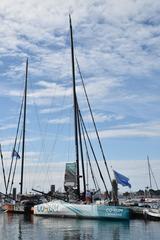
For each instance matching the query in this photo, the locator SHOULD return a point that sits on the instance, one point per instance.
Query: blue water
(18, 227)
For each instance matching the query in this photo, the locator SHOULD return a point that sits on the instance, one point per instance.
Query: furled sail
(70, 178)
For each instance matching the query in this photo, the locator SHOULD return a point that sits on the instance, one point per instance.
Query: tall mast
(149, 171)
(75, 108)
(24, 127)
(81, 150)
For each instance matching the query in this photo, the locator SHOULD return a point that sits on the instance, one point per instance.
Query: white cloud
(150, 129)
(5, 127)
(60, 120)
(116, 39)
(99, 117)
(55, 109)
(10, 141)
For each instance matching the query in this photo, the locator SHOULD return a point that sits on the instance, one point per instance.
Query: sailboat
(59, 208)
(150, 199)
(153, 212)
(150, 173)
(20, 205)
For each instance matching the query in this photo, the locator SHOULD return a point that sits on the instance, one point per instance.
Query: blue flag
(15, 154)
(121, 179)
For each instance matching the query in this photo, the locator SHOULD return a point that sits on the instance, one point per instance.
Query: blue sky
(117, 46)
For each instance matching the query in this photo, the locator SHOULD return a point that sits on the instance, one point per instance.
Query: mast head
(70, 20)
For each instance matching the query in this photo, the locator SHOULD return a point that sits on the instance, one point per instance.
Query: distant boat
(152, 214)
(151, 175)
(58, 208)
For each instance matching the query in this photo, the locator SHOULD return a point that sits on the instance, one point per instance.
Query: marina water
(20, 227)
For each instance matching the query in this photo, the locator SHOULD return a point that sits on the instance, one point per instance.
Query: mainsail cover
(70, 178)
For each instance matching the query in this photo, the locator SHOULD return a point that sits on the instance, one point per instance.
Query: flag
(121, 179)
(15, 154)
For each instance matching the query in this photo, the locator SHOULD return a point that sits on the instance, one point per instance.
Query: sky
(117, 45)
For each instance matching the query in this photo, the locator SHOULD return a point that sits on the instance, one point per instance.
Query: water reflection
(66, 229)
(23, 220)
(20, 231)
(39, 228)
(13, 227)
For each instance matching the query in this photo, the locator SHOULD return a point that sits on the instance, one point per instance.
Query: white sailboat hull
(152, 214)
(92, 211)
